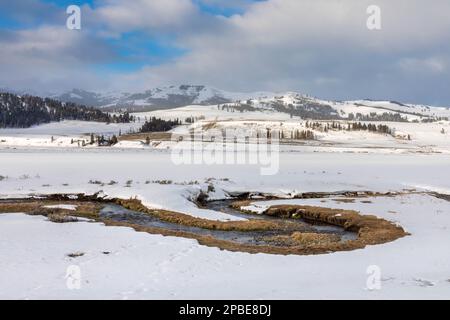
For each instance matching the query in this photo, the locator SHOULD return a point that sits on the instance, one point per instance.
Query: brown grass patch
(37, 207)
(344, 200)
(159, 136)
(371, 230)
(304, 239)
(14, 207)
(209, 126)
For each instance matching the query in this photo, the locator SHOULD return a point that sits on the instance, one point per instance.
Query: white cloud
(146, 14)
(49, 58)
(317, 46)
(321, 47)
(427, 65)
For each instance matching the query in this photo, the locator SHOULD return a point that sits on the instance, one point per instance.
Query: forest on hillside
(26, 111)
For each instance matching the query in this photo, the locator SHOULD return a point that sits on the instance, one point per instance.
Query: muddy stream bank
(281, 230)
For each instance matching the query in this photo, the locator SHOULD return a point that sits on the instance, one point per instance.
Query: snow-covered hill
(157, 98)
(307, 107)
(291, 103)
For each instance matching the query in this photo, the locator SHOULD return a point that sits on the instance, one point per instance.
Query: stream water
(119, 214)
(225, 207)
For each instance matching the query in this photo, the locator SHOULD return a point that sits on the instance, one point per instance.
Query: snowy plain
(142, 266)
(119, 263)
(423, 137)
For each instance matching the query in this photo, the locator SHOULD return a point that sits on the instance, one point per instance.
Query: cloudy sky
(319, 47)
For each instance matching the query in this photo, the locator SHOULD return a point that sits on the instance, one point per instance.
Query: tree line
(26, 111)
(159, 125)
(354, 126)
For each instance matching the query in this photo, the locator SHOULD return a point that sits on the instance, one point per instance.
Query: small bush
(202, 197)
(128, 183)
(163, 181)
(95, 182)
(75, 254)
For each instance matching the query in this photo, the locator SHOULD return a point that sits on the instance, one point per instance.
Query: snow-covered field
(407, 137)
(119, 263)
(65, 134)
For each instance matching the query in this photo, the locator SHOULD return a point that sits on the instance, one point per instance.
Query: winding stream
(120, 214)
(225, 207)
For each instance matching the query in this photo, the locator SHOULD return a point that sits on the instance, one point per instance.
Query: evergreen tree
(26, 111)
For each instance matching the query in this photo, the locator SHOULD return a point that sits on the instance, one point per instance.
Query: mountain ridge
(165, 97)
(293, 103)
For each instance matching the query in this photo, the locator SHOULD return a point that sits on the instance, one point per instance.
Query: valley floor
(119, 263)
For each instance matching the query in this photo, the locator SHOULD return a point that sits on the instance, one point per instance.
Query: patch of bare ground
(344, 200)
(15, 207)
(37, 207)
(209, 126)
(159, 136)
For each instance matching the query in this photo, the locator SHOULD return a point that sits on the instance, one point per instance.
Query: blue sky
(134, 49)
(318, 47)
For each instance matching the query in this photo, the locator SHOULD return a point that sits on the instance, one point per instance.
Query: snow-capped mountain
(157, 98)
(295, 104)
(87, 98)
(307, 107)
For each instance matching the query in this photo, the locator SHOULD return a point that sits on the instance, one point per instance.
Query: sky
(317, 47)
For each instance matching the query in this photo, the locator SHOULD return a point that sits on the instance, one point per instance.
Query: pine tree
(113, 140)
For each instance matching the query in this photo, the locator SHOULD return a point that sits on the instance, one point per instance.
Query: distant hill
(307, 107)
(161, 98)
(293, 103)
(23, 111)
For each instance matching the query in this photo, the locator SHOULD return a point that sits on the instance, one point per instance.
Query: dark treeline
(373, 116)
(381, 128)
(355, 126)
(307, 110)
(97, 140)
(26, 111)
(159, 125)
(303, 135)
(304, 109)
